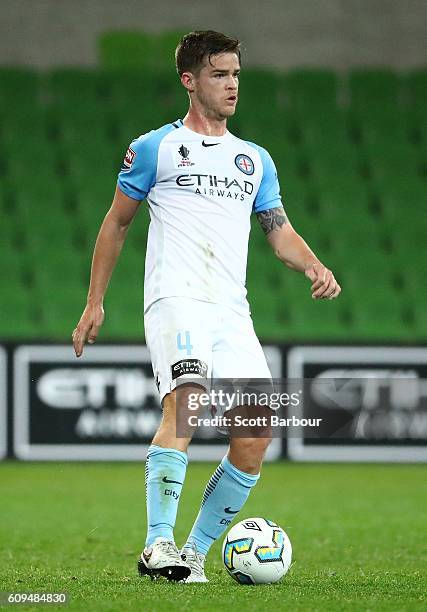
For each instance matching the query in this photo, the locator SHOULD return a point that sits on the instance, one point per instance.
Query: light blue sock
(224, 496)
(164, 476)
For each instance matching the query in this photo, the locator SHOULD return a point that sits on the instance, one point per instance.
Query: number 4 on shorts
(188, 346)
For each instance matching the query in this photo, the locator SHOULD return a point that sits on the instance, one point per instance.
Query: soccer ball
(257, 551)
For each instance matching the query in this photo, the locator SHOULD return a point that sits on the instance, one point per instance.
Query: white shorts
(189, 338)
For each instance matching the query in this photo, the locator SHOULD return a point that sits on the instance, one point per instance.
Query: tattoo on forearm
(272, 219)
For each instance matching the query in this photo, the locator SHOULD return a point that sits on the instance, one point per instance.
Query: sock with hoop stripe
(224, 496)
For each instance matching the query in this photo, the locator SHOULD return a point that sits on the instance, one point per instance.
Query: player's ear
(187, 79)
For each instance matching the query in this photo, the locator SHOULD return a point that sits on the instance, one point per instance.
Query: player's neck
(207, 126)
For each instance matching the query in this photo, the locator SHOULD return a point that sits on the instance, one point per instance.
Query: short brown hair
(195, 46)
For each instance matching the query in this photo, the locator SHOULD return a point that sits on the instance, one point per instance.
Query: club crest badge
(245, 164)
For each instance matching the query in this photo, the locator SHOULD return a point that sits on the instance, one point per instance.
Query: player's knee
(259, 446)
(183, 398)
(175, 430)
(250, 452)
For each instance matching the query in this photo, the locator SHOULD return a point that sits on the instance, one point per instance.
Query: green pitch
(357, 533)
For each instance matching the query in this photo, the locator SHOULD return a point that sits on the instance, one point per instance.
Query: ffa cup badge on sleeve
(129, 159)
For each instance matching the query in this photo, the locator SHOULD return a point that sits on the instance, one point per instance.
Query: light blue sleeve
(268, 195)
(139, 169)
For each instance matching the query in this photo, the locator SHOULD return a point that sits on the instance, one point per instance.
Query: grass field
(357, 533)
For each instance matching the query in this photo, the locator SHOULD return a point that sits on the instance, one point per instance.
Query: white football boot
(196, 561)
(163, 559)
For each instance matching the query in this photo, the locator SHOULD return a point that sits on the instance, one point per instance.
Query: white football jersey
(201, 191)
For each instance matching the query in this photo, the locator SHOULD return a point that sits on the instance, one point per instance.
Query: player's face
(216, 86)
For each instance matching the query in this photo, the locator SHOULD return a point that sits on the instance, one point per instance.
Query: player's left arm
(295, 253)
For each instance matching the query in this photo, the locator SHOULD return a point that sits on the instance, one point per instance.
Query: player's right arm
(137, 176)
(108, 245)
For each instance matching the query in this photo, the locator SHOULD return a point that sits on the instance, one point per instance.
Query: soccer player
(202, 184)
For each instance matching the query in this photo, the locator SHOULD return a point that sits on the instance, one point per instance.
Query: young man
(202, 184)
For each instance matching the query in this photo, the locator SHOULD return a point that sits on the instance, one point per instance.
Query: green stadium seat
(28, 158)
(138, 50)
(150, 114)
(289, 159)
(64, 270)
(129, 273)
(167, 43)
(124, 312)
(310, 90)
(373, 89)
(325, 128)
(11, 269)
(81, 159)
(420, 321)
(157, 92)
(294, 290)
(19, 86)
(300, 313)
(131, 128)
(81, 85)
(386, 161)
(21, 124)
(320, 319)
(91, 215)
(416, 86)
(401, 200)
(380, 125)
(379, 316)
(370, 280)
(93, 200)
(76, 123)
(126, 49)
(42, 240)
(341, 198)
(296, 193)
(16, 321)
(265, 304)
(57, 321)
(256, 99)
(34, 194)
(332, 163)
(8, 228)
(407, 238)
(61, 311)
(126, 81)
(416, 124)
(266, 119)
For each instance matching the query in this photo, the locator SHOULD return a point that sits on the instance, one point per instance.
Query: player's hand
(324, 286)
(88, 327)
